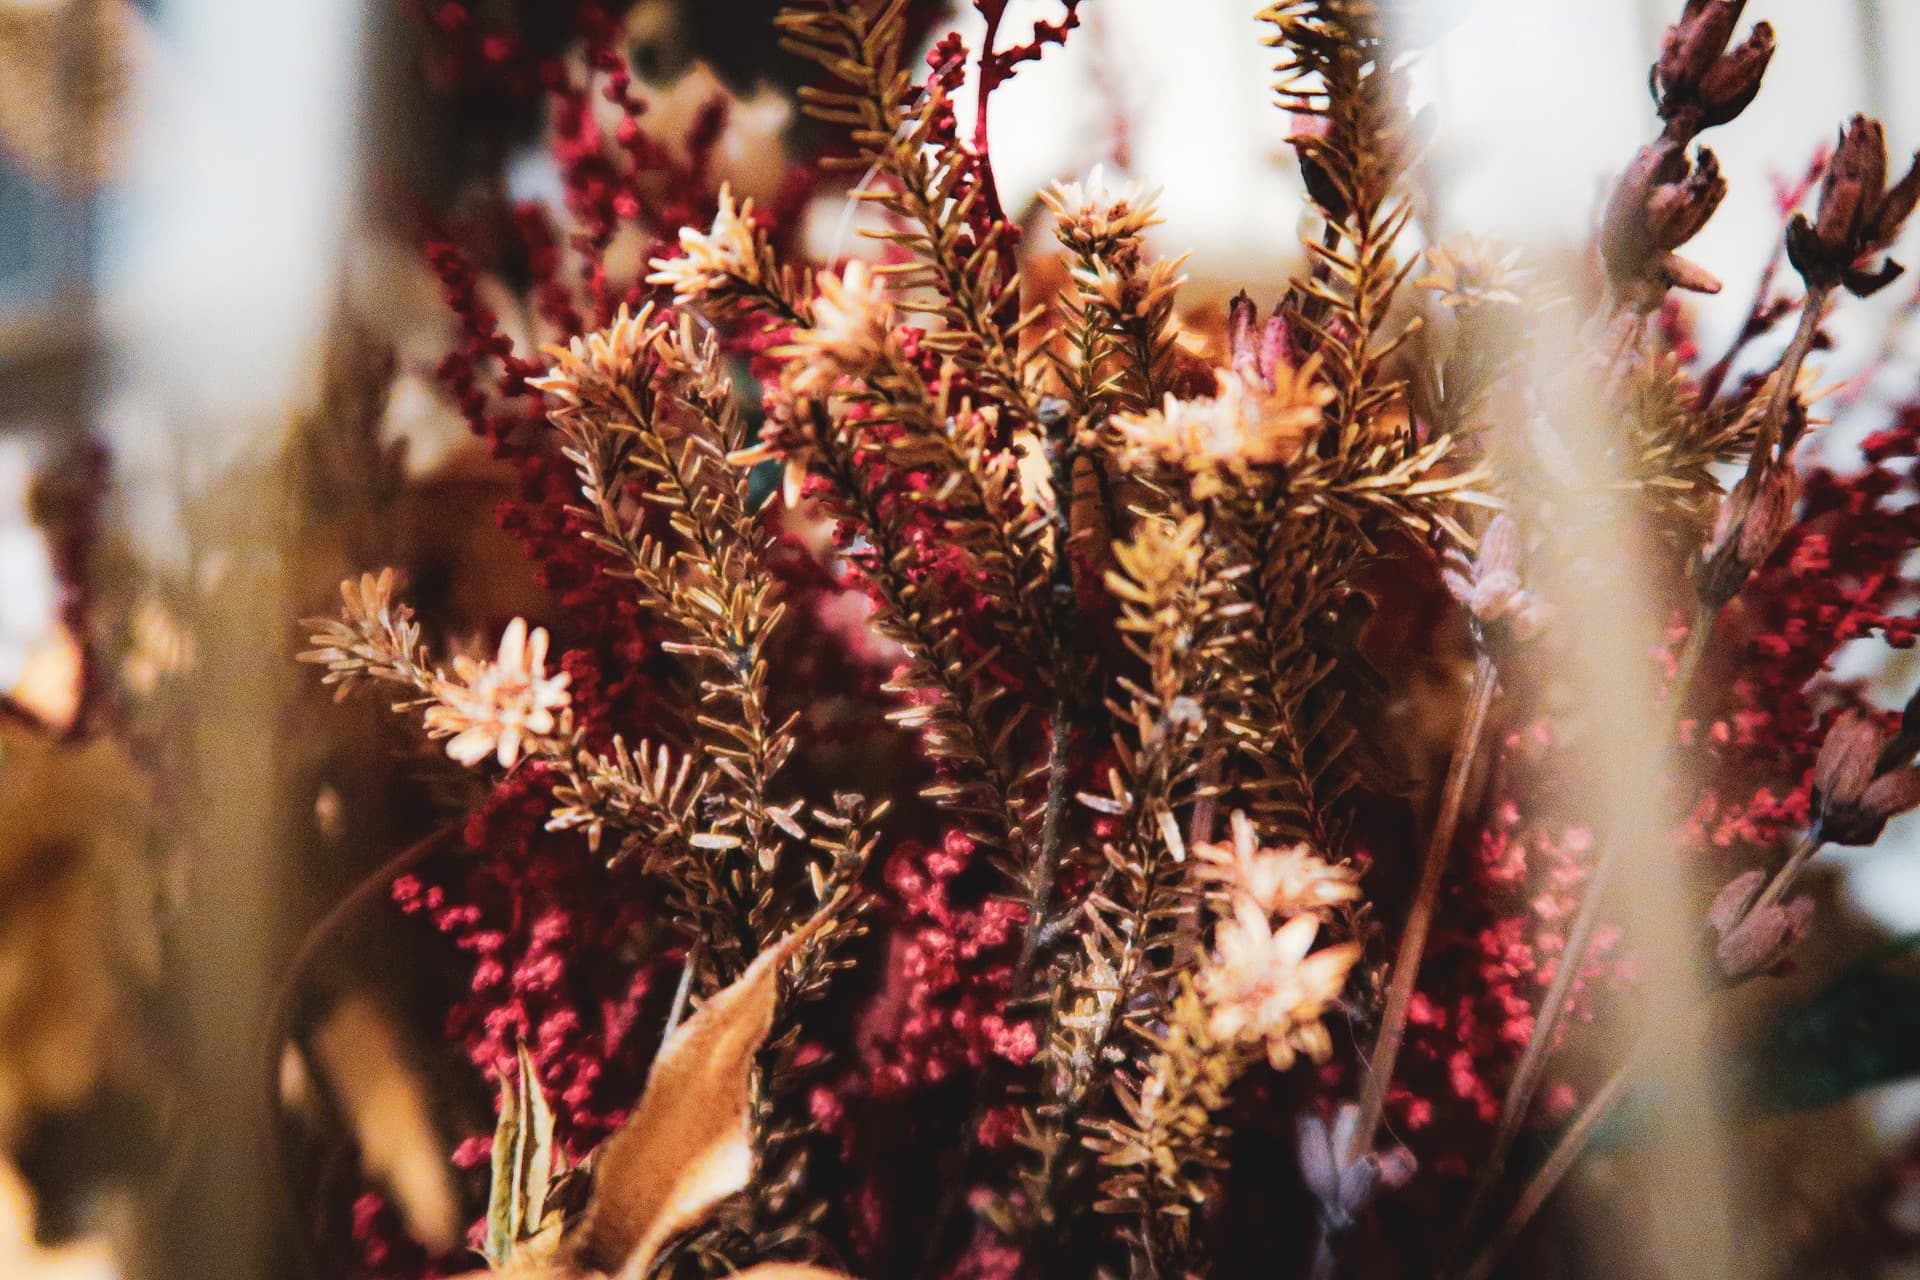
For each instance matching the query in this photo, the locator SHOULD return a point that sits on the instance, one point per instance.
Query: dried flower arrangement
(1010, 789)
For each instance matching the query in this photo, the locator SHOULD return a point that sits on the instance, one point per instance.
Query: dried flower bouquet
(1011, 787)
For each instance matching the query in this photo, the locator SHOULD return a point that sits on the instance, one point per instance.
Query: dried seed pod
(1859, 782)
(1753, 519)
(1858, 217)
(1697, 80)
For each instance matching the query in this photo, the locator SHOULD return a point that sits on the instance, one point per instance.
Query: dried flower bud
(1697, 80)
(1260, 352)
(1309, 139)
(1504, 614)
(1341, 1183)
(1733, 82)
(1860, 781)
(1659, 203)
(1753, 519)
(1678, 208)
(1858, 216)
(1754, 941)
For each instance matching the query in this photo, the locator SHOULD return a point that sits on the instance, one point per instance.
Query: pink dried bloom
(493, 707)
(1262, 985)
(1260, 351)
(1503, 611)
(1283, 882)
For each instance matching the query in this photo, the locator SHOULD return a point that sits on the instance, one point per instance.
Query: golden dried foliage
(689, 1143)
(962, 259)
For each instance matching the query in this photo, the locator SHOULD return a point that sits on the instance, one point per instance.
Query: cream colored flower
(1261, 983)
(715, 260)
(853, 322)
(1284, 882)
(593, 368)
(1242, 425)
(1095, 216)
(493, 707)
(1470, 272)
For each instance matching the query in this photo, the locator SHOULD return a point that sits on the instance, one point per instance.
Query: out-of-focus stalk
(1597, 564)
(1413, 941)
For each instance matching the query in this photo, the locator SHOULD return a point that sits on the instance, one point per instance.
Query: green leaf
(522, 1165)
(1861, 1030)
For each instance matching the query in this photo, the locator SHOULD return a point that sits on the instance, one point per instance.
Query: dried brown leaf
(688, 1144)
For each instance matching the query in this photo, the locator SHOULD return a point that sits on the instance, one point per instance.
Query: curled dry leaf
(522, 1171)
(688, 1144)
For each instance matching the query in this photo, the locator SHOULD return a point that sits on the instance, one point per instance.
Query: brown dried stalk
(1413, 940)
(1533, 1060)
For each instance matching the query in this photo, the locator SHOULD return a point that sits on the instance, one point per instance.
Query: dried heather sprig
(729, 264)
(1242, 425)
(374, 638)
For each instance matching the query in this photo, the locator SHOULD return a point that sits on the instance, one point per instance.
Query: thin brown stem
(1046, 866)
(683, 990)
(1533, 1059)
(1789, 873)
(1787, 375)
(1567, 1150)
(1573, 1141)
(1413, 941)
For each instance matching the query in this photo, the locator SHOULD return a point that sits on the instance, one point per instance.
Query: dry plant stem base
(1413, 941)
(1586, 921)
(1560, 1161)
(1572, 1143)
